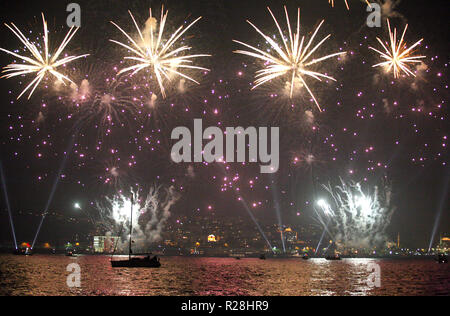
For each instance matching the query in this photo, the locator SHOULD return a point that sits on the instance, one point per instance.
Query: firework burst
(41, 63)
(354, 218)
(293, 60)
(397, 54)
(113, 103)
(150, 212)
(160, 55)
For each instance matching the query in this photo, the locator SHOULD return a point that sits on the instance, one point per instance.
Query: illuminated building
(105, 244)
(290, 235)
(445, 242)
(212, 238)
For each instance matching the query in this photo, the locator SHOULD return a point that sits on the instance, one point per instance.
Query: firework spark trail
(162, 57)
(8, 206)
(158, 209)
(397, 55)
(294, 59)
(356, 219)
(346, 3)
(42, 64)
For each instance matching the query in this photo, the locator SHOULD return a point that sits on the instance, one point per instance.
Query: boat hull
(22, 253)
(136, 263)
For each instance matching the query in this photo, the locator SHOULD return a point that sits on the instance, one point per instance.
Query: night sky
(373, 130)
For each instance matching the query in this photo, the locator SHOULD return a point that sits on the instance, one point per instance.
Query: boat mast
(131, 225)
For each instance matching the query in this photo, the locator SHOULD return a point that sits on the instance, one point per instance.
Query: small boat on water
(135, 261)
(335, 257)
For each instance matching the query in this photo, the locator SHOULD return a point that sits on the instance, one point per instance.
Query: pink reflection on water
(46, 275)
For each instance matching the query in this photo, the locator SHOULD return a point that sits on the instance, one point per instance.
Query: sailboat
(135, 262)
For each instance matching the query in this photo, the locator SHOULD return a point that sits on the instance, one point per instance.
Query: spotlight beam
(58, 177)
(441, 207)
(278, 212)
(8, 207)
(244, 203)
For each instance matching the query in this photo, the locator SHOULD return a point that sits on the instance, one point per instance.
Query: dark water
(47, 275)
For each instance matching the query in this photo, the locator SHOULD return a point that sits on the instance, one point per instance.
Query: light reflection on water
(46, 275)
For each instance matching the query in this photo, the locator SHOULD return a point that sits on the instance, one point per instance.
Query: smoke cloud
(356, 219)
(150, 216)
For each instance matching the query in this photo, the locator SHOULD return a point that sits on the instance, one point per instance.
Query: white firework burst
(41, 63)
(292, 58)
(159, 54)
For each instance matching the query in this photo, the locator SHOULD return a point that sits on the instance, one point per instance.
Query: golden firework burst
(292, 58)
(40, 63)
(158, 54)
(397, 55)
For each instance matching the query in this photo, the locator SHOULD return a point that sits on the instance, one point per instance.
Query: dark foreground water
(47, 275)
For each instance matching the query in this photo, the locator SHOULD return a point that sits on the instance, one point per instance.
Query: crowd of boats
(153, 261)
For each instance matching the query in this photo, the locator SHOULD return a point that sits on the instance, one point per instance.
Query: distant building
(290, 235)
(105, 244)
(445, 241)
